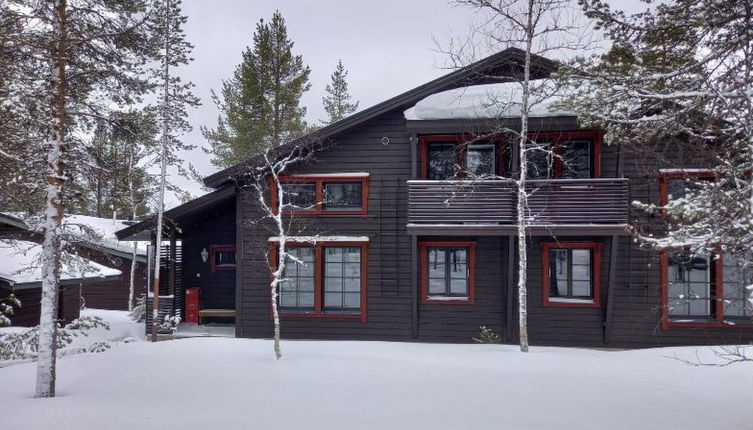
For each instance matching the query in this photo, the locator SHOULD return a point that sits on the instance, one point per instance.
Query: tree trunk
(51, 247)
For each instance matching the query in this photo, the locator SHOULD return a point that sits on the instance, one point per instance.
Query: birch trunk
(134, 253)
(53, 216)
(522, 193)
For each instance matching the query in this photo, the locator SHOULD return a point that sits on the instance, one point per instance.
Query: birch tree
(537, 27)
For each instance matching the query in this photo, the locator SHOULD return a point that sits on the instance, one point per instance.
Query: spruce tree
(260, 105)
(337, 101)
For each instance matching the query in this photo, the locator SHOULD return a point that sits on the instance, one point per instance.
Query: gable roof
(507, 62)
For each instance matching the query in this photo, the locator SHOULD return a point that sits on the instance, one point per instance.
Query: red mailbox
(192, 305)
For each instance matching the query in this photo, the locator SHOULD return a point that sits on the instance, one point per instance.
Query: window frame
(319, 274)
(213, 250)
(558, 138)
(462, 141)
(596, 250)
(424, 272)
(319, 180)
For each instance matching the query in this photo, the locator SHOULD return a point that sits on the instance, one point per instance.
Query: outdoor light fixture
(204, 255)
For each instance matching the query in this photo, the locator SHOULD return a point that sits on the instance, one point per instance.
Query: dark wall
(635, 319)
(212, 227)
(112, 294)
(69, 304)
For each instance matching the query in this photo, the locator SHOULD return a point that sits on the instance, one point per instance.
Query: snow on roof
(503, 100)
(20, 263)
(105, 228)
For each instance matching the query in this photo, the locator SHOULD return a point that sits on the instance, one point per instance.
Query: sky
(387, 46)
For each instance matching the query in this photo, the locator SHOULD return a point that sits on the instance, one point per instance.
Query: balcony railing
(550, 202)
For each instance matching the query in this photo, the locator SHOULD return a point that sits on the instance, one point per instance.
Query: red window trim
(595, 247)
(460, 149)
(666, 319)
(213, 250)
(500, 141)
(319, 181)
(319, 280)
(424, 255)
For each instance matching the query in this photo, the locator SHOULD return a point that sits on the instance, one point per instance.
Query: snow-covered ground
(219, 382)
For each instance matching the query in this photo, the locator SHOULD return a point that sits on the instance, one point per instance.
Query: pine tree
(73, 61)
(260, 105)
(337, 102)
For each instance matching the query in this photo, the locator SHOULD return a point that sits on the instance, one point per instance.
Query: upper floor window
(571, 273)
(460, 156)
(447, 272)
(566, 155)
(321, 194)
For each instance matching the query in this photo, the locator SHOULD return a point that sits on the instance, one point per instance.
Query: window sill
(567, 302)
(447, 301)
(326, 315)
(705, 323)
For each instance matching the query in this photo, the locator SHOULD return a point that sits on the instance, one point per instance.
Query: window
(222, 257)
(572, 273)
(323, 194)
(443, 160)
(701, 289)
(460, 156)
(564, 155)
(447, 272)
(326, 279)
(480, 160)
(345, 196)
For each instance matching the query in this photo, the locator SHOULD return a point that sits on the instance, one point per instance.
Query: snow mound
(503, 100)
(20, 263)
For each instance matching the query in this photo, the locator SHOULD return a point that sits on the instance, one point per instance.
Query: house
(93, 238)
(21, 275)
(390, 243)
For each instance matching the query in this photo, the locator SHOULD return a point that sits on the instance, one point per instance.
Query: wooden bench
(216, 313)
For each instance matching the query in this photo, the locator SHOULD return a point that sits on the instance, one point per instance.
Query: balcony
(564, 206)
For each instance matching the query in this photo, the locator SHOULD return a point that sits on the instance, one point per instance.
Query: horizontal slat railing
(454, 202)
(578, 201)
(550, 202)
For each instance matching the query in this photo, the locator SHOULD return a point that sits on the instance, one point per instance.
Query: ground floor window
(222, 257)
(571, 273)
(703, 288)
(447, 272)
(323, 279)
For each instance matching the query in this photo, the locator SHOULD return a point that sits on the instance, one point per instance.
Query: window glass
(298, 196)
(448, 272)
(342, 196)
(443, 160)
(539, 160)
(736, 296)
(297, 287)
(689, 284)
(342, 278)
(570, 273)
(679, 188)
(576, 159)
(224, 258)
(480, 160)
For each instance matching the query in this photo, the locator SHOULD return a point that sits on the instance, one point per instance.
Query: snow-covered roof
(105, 228)
(501, 100)
(20, 263)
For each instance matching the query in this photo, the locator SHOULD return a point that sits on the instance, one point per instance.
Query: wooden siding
(635, 312)
(69, 304)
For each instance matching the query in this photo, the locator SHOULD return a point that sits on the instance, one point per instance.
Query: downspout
(613, 245)
(414, 244)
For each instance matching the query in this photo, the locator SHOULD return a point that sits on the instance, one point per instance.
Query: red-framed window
(222, 257)
(446, 156)
(565, 155)
(699, 289)
(323, 279)
(335, 194)
(568, 155)
(448, 272)
(572, 274)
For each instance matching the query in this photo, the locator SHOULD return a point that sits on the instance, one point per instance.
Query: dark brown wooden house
(407, 250)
